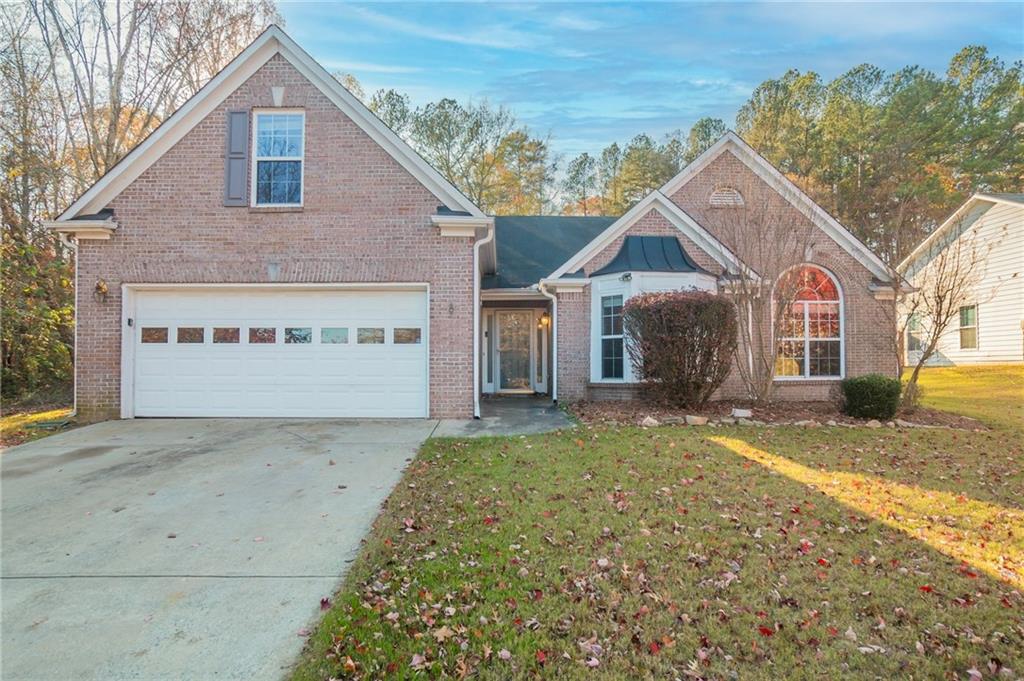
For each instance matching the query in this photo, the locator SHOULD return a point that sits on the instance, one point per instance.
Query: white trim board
(271, 42)
(656, 200)
(760, 166)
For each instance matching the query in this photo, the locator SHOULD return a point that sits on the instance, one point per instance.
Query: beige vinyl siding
(999, 294)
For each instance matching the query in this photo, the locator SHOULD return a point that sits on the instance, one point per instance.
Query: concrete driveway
(184, 549)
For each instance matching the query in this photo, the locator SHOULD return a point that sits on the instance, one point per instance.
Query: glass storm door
(515, 331)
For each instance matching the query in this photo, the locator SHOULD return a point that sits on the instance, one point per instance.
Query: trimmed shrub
(680, 343)
(872, 396)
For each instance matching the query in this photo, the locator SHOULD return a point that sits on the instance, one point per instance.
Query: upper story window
(811, 329)
(278, 149)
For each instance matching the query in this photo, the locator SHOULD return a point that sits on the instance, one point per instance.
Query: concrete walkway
(184, 549)
(511, 415)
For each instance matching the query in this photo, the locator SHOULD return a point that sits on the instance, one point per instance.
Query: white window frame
(976, 326)
(603, 288)
(628, 286)
(256, 113)
(602, 336)
(805, 375)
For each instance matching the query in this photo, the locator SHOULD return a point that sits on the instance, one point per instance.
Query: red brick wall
(867, 326)
(365, 219)
(573, 349)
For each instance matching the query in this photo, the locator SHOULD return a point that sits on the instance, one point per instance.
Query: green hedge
(872, 396)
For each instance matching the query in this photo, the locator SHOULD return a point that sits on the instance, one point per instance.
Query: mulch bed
(781, 413)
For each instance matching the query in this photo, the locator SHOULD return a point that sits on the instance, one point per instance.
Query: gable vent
(725, 197)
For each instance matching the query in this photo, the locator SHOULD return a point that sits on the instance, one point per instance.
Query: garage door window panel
(298, 335)
(154, 334)
(191, 334)
(407, 336)
(370, 336)
(331, 335)
(225, 334)
(262, 335)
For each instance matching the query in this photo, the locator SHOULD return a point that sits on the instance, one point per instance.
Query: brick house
(273, 249)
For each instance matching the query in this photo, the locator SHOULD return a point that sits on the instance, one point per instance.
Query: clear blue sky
(590, 74)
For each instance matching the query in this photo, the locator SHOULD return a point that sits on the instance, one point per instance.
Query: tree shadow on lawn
(634, 553)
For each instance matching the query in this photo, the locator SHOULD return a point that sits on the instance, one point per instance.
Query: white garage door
(280, 352)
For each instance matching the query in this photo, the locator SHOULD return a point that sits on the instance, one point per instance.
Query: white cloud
(368, 67)
(495, 36)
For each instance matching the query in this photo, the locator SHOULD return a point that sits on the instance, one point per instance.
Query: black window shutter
(236, 160)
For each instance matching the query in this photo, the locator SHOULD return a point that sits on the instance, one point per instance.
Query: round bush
(680, 343)
(872, 396)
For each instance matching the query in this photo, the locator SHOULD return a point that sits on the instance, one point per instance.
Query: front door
(515, 333)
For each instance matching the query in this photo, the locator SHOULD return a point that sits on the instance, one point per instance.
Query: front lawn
(693, 553)
(994, 394)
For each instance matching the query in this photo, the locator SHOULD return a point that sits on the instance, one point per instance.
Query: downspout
(542, 287)
(476, 317)
(73, 247)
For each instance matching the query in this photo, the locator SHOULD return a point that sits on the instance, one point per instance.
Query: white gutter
(64, 239)
(542, 287)
(476, 317)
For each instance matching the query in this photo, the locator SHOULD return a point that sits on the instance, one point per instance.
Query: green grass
(673, 552)
(16, 429)
(992, 394)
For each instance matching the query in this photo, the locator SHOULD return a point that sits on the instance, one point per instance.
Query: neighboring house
(990, 325)
(274, 250)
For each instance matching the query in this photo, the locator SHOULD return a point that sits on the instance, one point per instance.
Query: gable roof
(531, 246)
(671, 212)
(271, 42)
(650, 254)
(760, 166)
(962, 218)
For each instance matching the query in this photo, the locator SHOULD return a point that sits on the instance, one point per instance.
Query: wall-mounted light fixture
(544, 321)
(100, 290)
(628, 276)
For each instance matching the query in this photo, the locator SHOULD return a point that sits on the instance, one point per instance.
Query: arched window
(725, 197)
(811, 324)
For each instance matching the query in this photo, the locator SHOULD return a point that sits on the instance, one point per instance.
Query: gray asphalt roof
(650, 254)
(530, 247)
